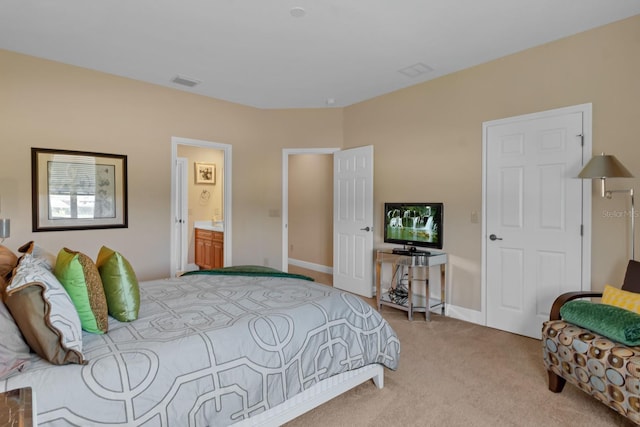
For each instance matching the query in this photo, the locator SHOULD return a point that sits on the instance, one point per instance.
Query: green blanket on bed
(249, 270)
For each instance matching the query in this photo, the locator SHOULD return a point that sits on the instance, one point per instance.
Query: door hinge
(581, 136)
(581, 230)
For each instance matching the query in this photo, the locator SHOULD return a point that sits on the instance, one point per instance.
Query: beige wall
(427, 138)
(52, 105)
(311, 208)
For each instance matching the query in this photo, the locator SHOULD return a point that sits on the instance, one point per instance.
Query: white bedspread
(210, 351)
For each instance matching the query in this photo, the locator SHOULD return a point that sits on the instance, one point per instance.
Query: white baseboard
(311, 266)
(465, 314)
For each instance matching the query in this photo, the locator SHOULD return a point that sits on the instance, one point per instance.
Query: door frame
(586, 110)
(286, 152)
(227, 194)
(181, 201)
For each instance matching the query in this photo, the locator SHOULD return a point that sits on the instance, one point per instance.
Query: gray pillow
(14, 352)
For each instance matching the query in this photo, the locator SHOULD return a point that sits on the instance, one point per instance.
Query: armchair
(600, 366)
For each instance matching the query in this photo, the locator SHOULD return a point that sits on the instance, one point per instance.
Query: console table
(421, 261)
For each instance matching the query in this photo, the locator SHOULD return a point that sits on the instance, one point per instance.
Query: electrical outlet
(474, 217)
(266, 262)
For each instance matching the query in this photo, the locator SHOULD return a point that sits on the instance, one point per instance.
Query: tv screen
(414, 224)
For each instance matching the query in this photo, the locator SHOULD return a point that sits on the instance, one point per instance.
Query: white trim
(466, 314)
(587, 114)
(286, 152)
(315, 396)
(227, 193)
(184, 213)
(311, 266)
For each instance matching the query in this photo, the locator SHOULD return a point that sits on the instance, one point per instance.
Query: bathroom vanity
(209, 241)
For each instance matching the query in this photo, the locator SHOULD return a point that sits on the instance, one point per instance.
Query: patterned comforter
(211, 350)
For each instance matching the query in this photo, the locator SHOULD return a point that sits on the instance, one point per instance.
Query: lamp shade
(5, 228)
(604, 166)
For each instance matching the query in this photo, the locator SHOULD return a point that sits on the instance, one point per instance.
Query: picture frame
(78, 190)
(205, 173)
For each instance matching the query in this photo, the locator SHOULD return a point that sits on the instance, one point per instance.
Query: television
(414, 224)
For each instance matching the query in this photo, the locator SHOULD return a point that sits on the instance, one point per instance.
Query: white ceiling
(254, 52)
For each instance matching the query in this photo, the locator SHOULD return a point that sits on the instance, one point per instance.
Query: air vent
(416, 70)
(297, 12)
(185, 81)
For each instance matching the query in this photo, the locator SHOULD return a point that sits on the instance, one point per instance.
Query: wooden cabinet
(17, 407)
(217, 244)
(209, 249)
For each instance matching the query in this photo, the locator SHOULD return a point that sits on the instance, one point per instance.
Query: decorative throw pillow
(80, 277)
(8, 261)
(44, 313)
(610, 321)
(620, 298)
(39, 253)
(14, 352)
(120, 285)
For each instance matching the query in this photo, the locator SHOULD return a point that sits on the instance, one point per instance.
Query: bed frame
(315, 396)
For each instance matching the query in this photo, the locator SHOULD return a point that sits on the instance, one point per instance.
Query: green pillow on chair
(120, 285)
(610, 321)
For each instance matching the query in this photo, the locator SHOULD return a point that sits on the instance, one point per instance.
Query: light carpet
(454, 373)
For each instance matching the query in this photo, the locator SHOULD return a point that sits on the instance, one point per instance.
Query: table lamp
(5, 228)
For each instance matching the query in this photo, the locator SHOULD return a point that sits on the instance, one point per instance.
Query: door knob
(366, 229)
(494, 237)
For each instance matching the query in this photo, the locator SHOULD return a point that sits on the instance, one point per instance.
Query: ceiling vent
(416, 70)
(297, 12)
(185, 81)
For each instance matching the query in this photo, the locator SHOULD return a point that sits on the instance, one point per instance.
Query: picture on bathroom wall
(205, 173)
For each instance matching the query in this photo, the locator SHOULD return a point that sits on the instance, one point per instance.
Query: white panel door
(353, 220)
(533, 218)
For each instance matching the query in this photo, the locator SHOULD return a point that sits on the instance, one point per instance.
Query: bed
(219, 348)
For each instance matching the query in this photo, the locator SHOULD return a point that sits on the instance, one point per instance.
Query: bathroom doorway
(198, 198)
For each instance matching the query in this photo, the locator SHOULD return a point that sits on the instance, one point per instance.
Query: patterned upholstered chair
(602, 367)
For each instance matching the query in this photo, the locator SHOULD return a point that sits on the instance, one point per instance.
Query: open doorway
(197, 200)
(348, 204)
(307, 213)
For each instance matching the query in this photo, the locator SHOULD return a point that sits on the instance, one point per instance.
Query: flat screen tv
(414, 224)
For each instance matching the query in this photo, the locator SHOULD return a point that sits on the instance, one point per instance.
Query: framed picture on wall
(205, 173)
(78, 190)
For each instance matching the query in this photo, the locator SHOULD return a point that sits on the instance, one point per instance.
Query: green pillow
(80, 278)
(610, 321)
(120, 285)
